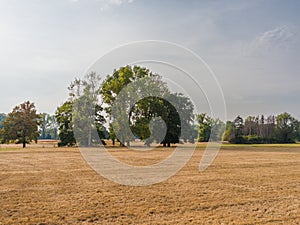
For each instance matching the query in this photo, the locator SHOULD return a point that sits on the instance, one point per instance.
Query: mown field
(244, 185)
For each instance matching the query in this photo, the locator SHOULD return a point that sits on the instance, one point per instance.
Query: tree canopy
(63, 117)
(80, 119)
(209, 129)
(142, 97)
(22, 123)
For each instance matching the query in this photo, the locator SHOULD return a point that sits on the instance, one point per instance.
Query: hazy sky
(252, 46)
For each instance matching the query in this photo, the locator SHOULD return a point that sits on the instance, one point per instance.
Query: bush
(252, 139)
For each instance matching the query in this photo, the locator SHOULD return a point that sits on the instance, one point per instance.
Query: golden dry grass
(245, 185)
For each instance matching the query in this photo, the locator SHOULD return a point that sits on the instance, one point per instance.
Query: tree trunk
(128, 143)
(90, 137)
(24, 139)
(164, 144)
(169, 144)
(24, 142)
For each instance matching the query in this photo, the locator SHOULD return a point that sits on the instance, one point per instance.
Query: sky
(253, 47)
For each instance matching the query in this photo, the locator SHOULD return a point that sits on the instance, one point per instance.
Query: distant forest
(282, 128)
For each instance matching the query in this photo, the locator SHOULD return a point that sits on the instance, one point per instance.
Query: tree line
(89, 116)
(283, 128)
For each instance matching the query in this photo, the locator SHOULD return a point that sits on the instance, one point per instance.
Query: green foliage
(82, 114)
(281, 129)
(252, 139)
(204, 130)
(2, 136)
(21, 125)
(114, 83)
(169, 107)
(173, 123)
(111, 88)
(229, 133)
(286, 128)
(171, 117)
(176, 112)
(63, 117)
(2, 119)
(238, 125)
(209, 129)
(185, 109)
(87, 114)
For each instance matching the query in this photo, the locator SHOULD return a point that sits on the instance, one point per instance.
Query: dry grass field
(244, 185)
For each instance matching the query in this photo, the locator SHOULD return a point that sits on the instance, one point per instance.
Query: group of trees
(90, 108)
(154, 101)
(258, 129)
(136, 115)
(133, 103)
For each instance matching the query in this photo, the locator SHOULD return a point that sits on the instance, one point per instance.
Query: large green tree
(234, 131)
(286, 128)
(238, 124)
(142, 97)
(126, 108)
(80, 118)
(22, 124)
(63, 117)
(87, 118)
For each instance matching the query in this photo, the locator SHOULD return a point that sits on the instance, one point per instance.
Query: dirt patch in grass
(56, 186)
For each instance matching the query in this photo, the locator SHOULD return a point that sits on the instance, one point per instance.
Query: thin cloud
(278, 38)
(107, 4)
